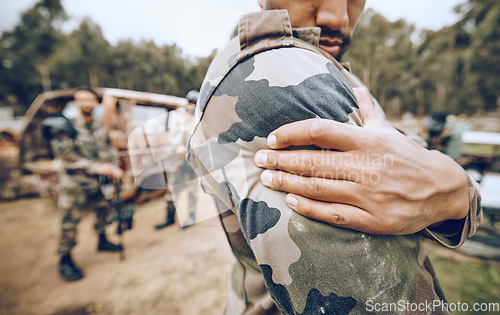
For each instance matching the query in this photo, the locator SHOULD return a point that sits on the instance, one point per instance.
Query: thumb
(368, 110)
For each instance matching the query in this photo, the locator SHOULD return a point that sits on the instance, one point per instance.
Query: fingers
(117, 173)
(368, 109)
(336, 214)
(324, 133)
(338, 191)
(110, 170)
(317, 163)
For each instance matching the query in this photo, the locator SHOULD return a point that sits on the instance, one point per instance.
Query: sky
(200, 26)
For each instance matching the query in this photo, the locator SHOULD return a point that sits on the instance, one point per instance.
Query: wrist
(453, 189)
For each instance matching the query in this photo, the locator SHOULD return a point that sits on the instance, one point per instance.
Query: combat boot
(170, 216)
(107, 246)
(68, 270)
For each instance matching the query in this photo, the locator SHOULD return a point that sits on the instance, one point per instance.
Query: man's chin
(331, 50)
(335, 51)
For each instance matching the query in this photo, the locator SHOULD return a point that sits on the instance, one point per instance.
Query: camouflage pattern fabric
(180, 126)
(287, 263)
(79, 186)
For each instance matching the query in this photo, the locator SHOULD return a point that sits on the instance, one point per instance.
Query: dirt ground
(171, 271)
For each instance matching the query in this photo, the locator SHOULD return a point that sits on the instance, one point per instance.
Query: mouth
(334, 42)
(331, 46)
(87, 110)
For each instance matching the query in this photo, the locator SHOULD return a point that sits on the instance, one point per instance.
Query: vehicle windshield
(71, 112)
(156, 118)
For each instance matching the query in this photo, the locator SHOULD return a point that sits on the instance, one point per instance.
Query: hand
(371, 179)
(110, 171)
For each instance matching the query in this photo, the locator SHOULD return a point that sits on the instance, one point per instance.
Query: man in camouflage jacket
(269, 76)
(83, 152)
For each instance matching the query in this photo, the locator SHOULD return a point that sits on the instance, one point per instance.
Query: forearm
(72, 164)
(66, 152)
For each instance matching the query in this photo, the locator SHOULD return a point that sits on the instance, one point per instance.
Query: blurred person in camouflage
(442, 135)
(178, 180)
(84, 156)
(281, 70)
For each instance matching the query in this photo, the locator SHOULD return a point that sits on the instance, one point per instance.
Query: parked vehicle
(121, 111)
(480, 152)
(481, 159)
(9, 156)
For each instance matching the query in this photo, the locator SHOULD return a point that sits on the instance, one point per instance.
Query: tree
(26, 50)
(382, 54)
(82, 57)
(485, 61)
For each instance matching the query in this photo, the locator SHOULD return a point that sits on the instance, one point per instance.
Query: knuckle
(282, 137)
(378, 198)
(307, 163)
(306, 209)
(336, 219)
(318, 131)
(317, 187)
(272, 158)
(280, 182)
(279, 161)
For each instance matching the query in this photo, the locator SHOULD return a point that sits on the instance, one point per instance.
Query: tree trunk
(45, 77)
(93, 79)
(420, 96)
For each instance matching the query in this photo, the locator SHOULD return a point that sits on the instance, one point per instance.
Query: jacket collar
(266, 30)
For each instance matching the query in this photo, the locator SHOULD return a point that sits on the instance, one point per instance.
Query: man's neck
(88, 119)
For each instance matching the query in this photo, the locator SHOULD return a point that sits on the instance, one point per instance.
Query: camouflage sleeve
(309, 267)
(453, 234)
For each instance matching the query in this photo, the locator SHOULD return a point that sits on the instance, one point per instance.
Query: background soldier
(442, 135)
(83, 153)
(178, 180)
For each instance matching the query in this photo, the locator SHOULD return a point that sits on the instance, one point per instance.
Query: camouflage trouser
(180, 182)
(72, 208)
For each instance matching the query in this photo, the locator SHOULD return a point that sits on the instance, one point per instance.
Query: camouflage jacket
(79, 158)
(270, 76)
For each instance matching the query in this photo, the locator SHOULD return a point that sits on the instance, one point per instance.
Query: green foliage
(38, 56)
(454, 69)
(24, 52)
(468, 281)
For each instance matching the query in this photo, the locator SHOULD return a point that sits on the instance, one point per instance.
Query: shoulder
(286, 67)
(273, 88)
